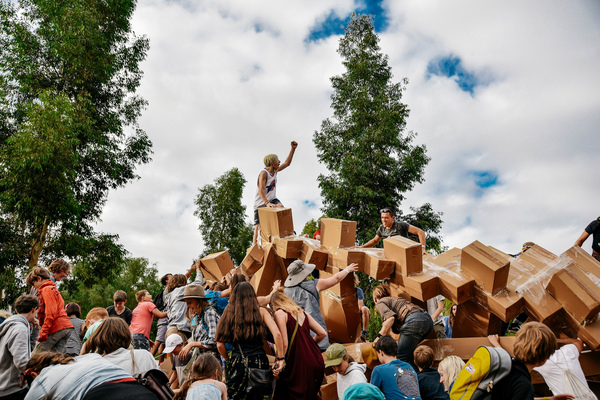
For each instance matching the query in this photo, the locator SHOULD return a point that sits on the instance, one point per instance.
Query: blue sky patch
(483, 180)
(334, 24)
(309, 204)
(451, 67)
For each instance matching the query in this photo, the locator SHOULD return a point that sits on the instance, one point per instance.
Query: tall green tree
(372, 160)
(69, 70)
(221, 212)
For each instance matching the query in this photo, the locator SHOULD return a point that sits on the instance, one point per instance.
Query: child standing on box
(266, 195)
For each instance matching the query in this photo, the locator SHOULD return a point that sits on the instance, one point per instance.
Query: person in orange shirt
(55, 324)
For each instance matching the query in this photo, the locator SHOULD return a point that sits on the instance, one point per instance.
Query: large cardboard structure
(488, 285)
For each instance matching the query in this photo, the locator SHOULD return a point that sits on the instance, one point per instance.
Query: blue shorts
(274, 201)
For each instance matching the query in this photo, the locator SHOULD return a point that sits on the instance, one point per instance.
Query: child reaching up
(204, 381)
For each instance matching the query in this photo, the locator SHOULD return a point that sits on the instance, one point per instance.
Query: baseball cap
(334, 354)
(172, 342)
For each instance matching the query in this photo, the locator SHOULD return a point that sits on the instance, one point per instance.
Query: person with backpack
(534, 344)
(562, 372)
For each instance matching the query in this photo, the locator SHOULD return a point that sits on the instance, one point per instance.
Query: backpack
(479, 375)
(573, 384)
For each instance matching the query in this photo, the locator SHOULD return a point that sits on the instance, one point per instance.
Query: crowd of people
(218, 339)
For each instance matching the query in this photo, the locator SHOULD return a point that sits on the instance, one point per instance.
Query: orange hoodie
(52, 315)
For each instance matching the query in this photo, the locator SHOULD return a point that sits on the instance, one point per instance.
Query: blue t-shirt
(397, 381)
(219, 303)
(359, 294)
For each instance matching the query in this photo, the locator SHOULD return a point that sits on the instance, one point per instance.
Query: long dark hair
(241, 320)
(205, 367)
(452, 316)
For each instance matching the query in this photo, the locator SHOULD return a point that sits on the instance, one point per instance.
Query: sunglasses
(386, 210)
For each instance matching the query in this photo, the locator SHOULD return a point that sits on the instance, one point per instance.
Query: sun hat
(193, 292)
(297, 271)
(172, 342)
(363, 391)
(335, 354)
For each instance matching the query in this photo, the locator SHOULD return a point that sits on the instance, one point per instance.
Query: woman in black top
(592, 229)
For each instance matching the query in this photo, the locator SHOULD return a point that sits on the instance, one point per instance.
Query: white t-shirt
(354, 374)
(432, 305)
(270, 186)
(122, 358)
(567, 357)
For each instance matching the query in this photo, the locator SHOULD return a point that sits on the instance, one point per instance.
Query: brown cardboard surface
(275, 222)
(579, 301)
(451, 256)
(407, 254)
(538, 256)
(474, 320)
(342, 317)
(341, 258)
(584, 259)
(329, 390)
(289, 246)
(422, 286)
(253, 260)
(537, 302)
(590, 333)
(346, 286)
(217, 265)
(313, 253)
(377, 266)
(482, 264)
(272, 270)
(338, 232)
(506, 304)
(455, 285)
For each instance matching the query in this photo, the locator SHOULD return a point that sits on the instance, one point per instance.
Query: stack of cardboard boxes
(489, 285)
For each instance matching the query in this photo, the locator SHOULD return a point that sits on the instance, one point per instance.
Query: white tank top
(270, 185)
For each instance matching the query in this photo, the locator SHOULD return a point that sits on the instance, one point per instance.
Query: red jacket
(52, 315)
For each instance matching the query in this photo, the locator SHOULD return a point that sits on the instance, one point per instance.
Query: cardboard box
(329, 389)
(422, 286)
(576, 296)
(474, 320)
(455, 285)
(313, 253)
(341, 258)
(338, 233)
(506, 305)
(275, 222)
(483, 265)
(448, 258)
(272, 270)
(345, 288)
(288, 247)
(342, 317)
(583, 259)
(538, 256)
(377, 266)
(217, 265)
(253, 260)
(407, 254)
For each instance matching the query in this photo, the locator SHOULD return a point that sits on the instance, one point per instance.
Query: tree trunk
(37, 244)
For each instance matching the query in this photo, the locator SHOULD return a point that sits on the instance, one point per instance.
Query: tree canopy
(221, 212)
(69, 70)
(372, 160)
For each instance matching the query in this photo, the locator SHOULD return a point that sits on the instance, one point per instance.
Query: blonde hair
(281, 301)
(270, 159)
(534, 343)
(451, 366)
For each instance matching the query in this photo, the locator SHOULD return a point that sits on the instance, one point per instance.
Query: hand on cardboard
(276, 285)
(351, 268)
(494, 340)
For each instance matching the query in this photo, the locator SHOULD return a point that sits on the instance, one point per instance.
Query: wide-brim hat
(297, 272)
(193, 292)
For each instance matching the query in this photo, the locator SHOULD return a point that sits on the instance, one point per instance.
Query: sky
(505, 96)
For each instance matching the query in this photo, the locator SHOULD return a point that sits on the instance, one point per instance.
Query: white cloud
(231, 81)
